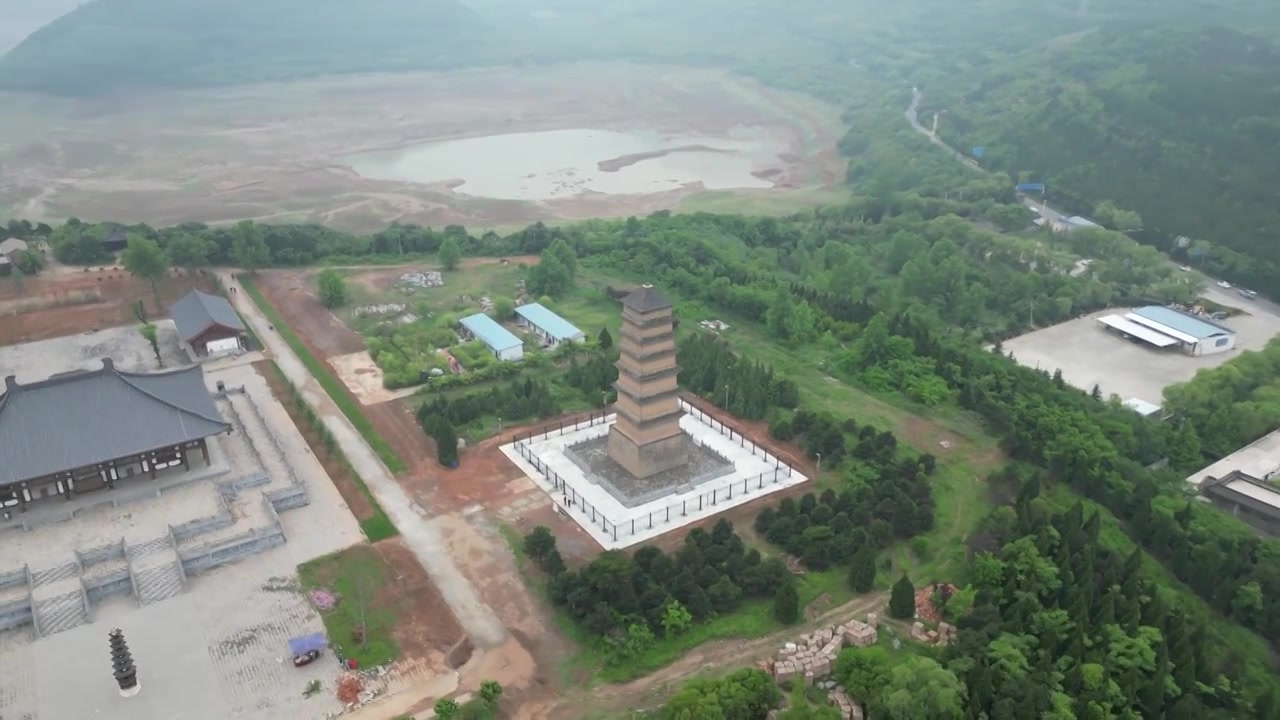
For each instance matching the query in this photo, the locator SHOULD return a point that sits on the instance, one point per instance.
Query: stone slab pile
(849, 710)
(944, 635)
(813, 656)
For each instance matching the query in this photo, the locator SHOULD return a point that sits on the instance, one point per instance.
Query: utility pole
(1031, 313)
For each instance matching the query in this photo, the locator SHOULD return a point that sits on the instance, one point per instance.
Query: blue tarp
(307, 643)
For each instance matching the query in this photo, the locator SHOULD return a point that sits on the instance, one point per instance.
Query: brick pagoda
(646, 439)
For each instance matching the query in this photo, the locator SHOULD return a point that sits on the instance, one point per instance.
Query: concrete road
(420, 533)
(913, 117)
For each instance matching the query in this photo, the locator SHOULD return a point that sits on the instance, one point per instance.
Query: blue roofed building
(550, 328)
(500, 341)
(1167, 327)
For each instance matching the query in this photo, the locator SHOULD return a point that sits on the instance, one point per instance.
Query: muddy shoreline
(624, 161)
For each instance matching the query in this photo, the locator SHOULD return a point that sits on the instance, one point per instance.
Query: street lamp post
(499, 423)
(819, 463)
(726, 396)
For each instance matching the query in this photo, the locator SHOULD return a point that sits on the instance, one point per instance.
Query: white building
(550, 328)
(501, 342)
(1242, 483)
(1164, 327)
(1075, 222)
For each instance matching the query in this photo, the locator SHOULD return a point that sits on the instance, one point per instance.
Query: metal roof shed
(547, 323)
(1197, 327)
(504, 344)
(1133, 329)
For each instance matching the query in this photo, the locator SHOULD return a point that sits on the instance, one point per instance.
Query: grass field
(322, 374)
(354, 576)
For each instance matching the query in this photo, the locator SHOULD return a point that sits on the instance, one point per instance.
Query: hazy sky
(20, 18)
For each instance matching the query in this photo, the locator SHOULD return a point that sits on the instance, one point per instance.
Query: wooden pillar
(111, 475)
(186, 461)
(66, 487)
(151, 462)
(22, 497)
(204, 448)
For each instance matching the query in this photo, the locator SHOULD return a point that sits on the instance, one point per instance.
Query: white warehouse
(1165, 327)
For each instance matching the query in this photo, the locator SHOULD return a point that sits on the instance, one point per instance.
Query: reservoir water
(563, 163)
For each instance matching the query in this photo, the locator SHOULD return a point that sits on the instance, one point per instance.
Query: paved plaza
(209, 643)
(619, 522)
(35, 361)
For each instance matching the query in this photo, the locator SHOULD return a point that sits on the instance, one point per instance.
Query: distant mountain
(20, 18)
(107, 45)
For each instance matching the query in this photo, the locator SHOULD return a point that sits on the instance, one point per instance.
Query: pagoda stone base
(651, 458)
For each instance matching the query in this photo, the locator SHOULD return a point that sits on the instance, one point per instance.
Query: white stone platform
(756, 473)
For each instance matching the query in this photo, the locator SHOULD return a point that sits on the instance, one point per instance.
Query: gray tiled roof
(198, 311)
(82, 419)
(646, 299)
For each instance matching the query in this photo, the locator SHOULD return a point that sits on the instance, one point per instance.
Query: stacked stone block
(944, 635)
(849, 710)
(814, 655)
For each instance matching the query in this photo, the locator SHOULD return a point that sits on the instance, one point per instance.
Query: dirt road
(419, 532)
(721, 655)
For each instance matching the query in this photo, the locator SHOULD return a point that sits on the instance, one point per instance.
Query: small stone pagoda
(646, 439)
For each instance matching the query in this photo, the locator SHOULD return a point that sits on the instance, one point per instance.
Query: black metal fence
(572, 501)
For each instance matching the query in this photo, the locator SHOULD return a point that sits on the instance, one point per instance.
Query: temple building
(85, 431)
(646, 439)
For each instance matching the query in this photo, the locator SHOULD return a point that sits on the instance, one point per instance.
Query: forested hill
(106, 44)
(1180, 124)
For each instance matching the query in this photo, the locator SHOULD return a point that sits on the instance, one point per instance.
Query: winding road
(1050, 215)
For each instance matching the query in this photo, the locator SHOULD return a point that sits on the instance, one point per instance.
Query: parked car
(1224, 284)
(1247, 294)
(1184, 268)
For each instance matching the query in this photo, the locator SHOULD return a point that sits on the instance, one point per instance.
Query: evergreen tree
(446, 442)
(862, 574)
(450, 253)
(605, 339)
(902, 599)
(786, 604)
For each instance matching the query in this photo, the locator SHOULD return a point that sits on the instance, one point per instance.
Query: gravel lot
(1088, 355)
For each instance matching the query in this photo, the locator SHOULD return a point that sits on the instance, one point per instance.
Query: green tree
(918, 687)
(786, 604)
(445, 436)
(249, 248)
(675, 619)
(562, 251)
(747, 694)
(148, 331)
(604, 339)
(549, 277)
(332, 288)
(1184, 448)
(862, 573)
(902, 599)
(490, 693)
(446, 709)
(450, 253)
(190, 252)
(637, 639)
(503, 308)
(539, 543)
(28, 262)
(143, 259)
